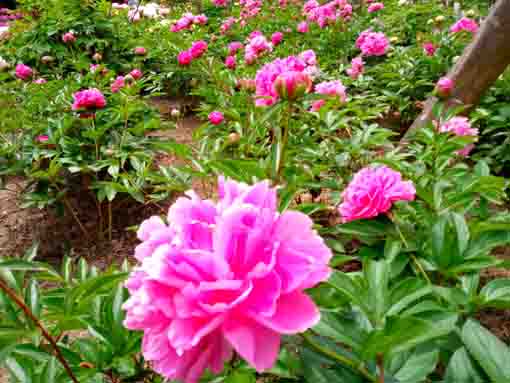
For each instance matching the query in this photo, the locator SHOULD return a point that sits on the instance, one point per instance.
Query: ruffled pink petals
(263, 298)
(254, 342)
(295, 313)
(222, 296)
(188, 332)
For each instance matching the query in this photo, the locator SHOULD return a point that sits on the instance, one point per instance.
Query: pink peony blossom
(374, 7)
(309, 57)
(276, 38)
(302, 27)
(197, 49)
(357, 68)
(42, 138)
(118, 84)
(220, 3)
(464, 24)
(444, 87)
(23, 71)
(88, 99)
(69, 38)
(223, 277)
(216, 117)
(291, 85)
(332, 88)
(184, 58)
(230, 62)
(373, 191)
(256, 47)
(429, 49)
(372, 43)
(317, 105)
(140, 51)
(460, 126)
(233, 47)
(136, 74)
(227, 24)
(200, 19)
(40, 81)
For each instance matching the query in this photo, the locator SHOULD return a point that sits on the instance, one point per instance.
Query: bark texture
(482, 62)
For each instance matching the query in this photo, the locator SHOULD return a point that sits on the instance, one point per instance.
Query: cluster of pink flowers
(216, 117)
(223, 277)
(429, 48)
(227, 24)
(256, 47)
(357, 68)
(265, 91)
(69, 38)
(460, 126)
(465, 24)
(187, 21)
(373, 191)
(251, 8)
(328, 13)
(374, 7)
(23, 72)
(372, 43)
(88, 99)
(198, 48)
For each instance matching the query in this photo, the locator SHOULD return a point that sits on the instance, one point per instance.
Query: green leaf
(487, 241)
(340, 328)
(318, 369)
(348, 287)
(124, 365)
(490, 352)
(31, 253)
(23, 265)
(462, 369)
(50, 371)
(32, 297)
(438, 241)
(418, 366)
(496, 293)
(405, 293)
(462, 231)
(17, 370)
(241, 377)
(377, 275)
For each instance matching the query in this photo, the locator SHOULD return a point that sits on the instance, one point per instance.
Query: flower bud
(47, 59)
(394, 40)
(129, 79)
(234, 138)
(292, 85)
(439, 19)
(444, 87)
(97, 56)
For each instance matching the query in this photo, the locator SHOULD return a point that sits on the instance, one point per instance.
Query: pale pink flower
(372, 191)
(256, 47)
(317, 105)
(332, 88)
(465, 24)
(227, 24)
(444, 86)
(223, 277)
(140, 51)
(429, 49)
(23, 71)
(276, 38)
(40, 81)
(216, 117)
(309, 57)
(200, 19)
(233, 47)
(184, 58)
(136, 74)
(460, 126)
(302, 27)
(357, 68)
(88, 99)
(372, 43)
(230, 62)
(118, 84)
(374, 7)
(69, 38)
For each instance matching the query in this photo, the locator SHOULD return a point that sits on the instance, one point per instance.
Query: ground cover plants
(297, 219)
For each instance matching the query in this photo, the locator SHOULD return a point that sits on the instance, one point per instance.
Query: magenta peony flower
(184, 58)
(118, 84)
(276, 38)
(42, 138)
(372, 191)
(332, 88)
(429, 49)
(136, 74)
(88, 99)
(140, 51)
(200, 19)
(230, 62)
(460, 126)
(40, 81)
(291, 85)
(216, 117)
(303, 27)
(233, 47)
(69, 38)
(256, 47)
(23, 71)
(372, 43)
(227, 24)
(317, 105)
(220, 3)
(374, 7)
(464, 24)
(223, 277)
(357, 68)
(444, 87)
(197, 49)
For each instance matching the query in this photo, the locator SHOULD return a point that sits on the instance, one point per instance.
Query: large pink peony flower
(372, 43)
(460, 126)
(221, 277)
(233, 47)
(332, 88)
(464, 24)
(23, 71)
(372, 191)
(197, 49)
(184, 58)
(88, 99)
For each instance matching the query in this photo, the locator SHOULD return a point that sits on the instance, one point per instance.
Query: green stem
(96, 142)
(339, 358)
(283, 145)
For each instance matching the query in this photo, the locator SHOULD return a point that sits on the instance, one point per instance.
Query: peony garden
(254, 191)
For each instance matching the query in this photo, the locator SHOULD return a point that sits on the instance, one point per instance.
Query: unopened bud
(233, 138)
(97, 56)
(47, 59)
(292, 85)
